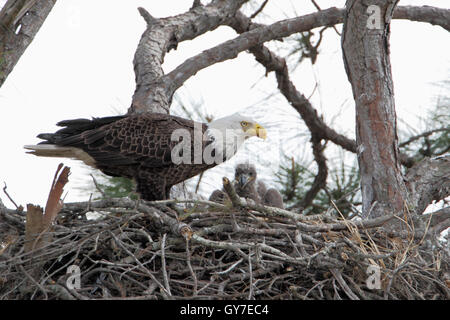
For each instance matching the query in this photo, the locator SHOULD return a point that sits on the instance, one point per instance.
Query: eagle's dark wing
(273, 198)
(135, 146)
(114, 142)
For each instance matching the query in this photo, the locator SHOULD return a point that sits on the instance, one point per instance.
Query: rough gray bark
(440, 220)
(366, 60)
(427, 181)
(259, 34)
(433, 15)
(153, 92)
(231, 48)
(29, 15)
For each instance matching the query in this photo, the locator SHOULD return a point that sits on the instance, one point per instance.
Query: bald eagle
(247, 186)
(156, 150)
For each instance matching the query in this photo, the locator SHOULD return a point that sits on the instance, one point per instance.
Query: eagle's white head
(229, 133)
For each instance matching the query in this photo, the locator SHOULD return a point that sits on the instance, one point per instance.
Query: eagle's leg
(150, 192)
(167, 193)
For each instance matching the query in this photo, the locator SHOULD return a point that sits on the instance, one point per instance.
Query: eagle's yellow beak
(257, 130)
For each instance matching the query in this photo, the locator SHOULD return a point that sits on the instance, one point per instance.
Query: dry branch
(440, 220)
(29, 15)
(320, 179)
(38, 223)
(152, 93)
(429, 180)
(54, 202)
(433, 15)
(262, 33)
(318, 128)
(231, 192)
(10, 198)
(257, 252)
(231, 48)
(34, 228)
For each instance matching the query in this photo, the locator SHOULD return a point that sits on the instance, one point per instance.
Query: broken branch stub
(39, 222)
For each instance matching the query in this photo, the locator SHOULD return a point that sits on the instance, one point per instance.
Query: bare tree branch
(320, 9)
(435, 16)
(440, 220)
(260, 9)
(54, 202)
(9, 197)
(230, 49)
(162, 35)
(39, 222)
(422, 135)
(255, 36)
(28, 15)
(229, 189)
(298, 101)
(429, 180)
(320, 180)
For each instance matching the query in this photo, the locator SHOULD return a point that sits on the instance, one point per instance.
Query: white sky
(80, 65)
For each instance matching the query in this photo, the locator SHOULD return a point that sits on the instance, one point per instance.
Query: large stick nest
(201, 250)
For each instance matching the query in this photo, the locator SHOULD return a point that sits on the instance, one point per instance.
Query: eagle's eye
(244, 124)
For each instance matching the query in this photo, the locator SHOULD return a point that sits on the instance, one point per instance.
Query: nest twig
(148, 250)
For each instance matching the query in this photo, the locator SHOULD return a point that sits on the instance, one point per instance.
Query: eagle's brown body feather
(136, 146)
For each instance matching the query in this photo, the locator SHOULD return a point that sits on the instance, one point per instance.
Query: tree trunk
(29, 15)
(365, 44)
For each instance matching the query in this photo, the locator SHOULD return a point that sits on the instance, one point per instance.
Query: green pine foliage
(295, 180)
(433, 138)
(342, 188)
(304, 48)
(441, 118)
(117, 187)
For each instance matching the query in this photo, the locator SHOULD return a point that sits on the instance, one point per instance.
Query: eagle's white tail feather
(51, 150)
